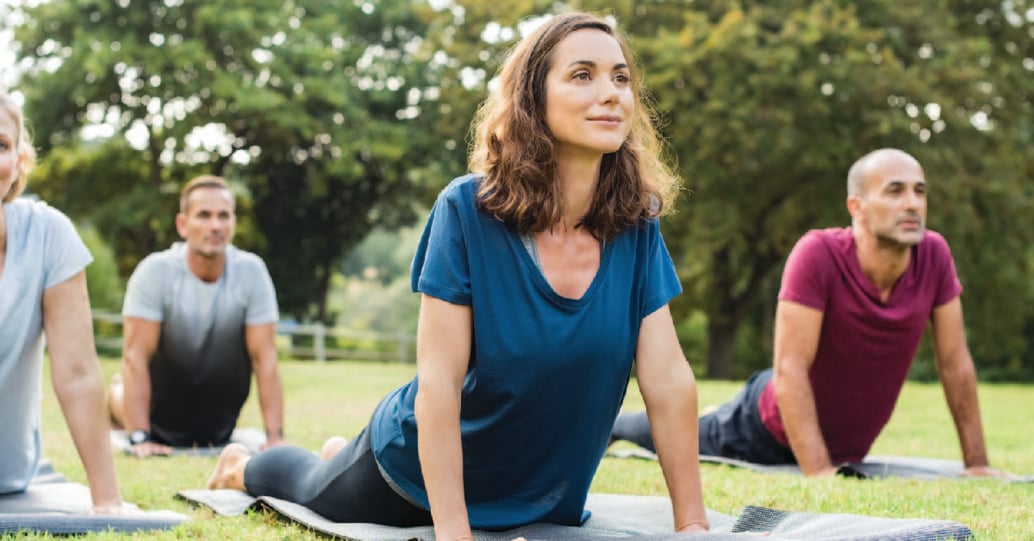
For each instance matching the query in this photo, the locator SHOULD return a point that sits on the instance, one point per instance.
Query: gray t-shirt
(201, 371)
(43, 250)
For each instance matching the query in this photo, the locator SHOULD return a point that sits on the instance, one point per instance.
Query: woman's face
(9, 157)
(589, 101)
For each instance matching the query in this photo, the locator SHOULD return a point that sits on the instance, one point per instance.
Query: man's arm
(139, 343)
(261, 343)
(959, 378)
(669, 390)
(79, 385)
(797, 330)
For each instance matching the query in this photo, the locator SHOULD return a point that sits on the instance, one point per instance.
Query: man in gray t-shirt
(198, 319)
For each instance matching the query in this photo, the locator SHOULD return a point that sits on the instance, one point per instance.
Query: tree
(310, 106)
(769, 105)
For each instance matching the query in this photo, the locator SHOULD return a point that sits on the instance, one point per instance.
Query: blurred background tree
(338, 120)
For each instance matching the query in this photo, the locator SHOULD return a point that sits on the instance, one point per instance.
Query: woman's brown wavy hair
(515, 151)
(23, 146)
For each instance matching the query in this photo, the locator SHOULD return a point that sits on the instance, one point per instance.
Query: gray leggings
(348, 487)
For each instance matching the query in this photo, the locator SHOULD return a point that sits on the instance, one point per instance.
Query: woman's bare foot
(229, 471)
(332, 446)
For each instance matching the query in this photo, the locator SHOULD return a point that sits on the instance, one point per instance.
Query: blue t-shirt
(43, 250)
(547, 374)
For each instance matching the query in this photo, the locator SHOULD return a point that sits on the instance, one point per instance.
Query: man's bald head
(873, 161)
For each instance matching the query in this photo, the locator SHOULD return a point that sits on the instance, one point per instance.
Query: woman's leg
(634, 427)
(347, 487)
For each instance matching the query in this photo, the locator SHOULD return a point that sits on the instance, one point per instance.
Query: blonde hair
(203, 181)
(23, 146)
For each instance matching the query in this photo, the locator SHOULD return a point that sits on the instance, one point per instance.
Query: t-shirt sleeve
(262, 307)
(804, 280)
(144, 291)
(949, 285)
(662, 282)
(65, 253)
(440, 266)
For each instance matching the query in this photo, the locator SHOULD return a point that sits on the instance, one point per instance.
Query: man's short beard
(893, 242)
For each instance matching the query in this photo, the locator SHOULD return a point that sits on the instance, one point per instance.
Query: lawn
(337, 398)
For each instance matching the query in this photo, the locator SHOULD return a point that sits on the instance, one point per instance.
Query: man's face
(209, 222)
(892, 204)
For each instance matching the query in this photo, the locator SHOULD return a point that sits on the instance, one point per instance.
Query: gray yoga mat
(873, 467)
(250, 437)
(642, 518)
(55, 506)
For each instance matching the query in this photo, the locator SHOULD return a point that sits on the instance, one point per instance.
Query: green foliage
(370, 305)
(101, 183)
(338, 119)
(345, 155)
(768, 105)
(310, 105)
(102, 278)
(373, 293)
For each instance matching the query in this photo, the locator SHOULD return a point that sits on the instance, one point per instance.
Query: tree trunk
(722, 318)
(721, 347)
(149, 239)
(323, 291)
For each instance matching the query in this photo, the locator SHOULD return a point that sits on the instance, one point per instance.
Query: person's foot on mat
(229, 471)
(332, 446)
(115, 397)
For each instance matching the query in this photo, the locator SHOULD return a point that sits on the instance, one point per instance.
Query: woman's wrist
(694, 525)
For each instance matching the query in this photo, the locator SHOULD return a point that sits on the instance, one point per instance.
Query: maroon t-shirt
(866, 346)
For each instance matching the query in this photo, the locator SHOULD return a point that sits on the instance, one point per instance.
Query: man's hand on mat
(827, 471)
(986, 471)
(150, 448)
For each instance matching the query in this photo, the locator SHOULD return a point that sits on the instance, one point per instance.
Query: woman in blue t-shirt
(43, 289)
(543, 276)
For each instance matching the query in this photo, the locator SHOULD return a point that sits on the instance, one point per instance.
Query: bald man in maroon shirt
(853, 306)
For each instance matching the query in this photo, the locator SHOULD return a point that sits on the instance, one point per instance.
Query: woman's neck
(578, 181)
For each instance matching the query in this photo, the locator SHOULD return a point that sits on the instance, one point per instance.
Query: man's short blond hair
(203, 181)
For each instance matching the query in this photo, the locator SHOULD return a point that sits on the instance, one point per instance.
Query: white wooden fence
(311, 341)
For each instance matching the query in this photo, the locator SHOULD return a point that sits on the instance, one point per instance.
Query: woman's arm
(444, 334)
(669, 390)
(79, 385)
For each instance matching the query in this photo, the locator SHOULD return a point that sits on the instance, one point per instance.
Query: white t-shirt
(201, 369)
(43, 250)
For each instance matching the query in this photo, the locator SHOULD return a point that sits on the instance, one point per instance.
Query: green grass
(337, 398)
